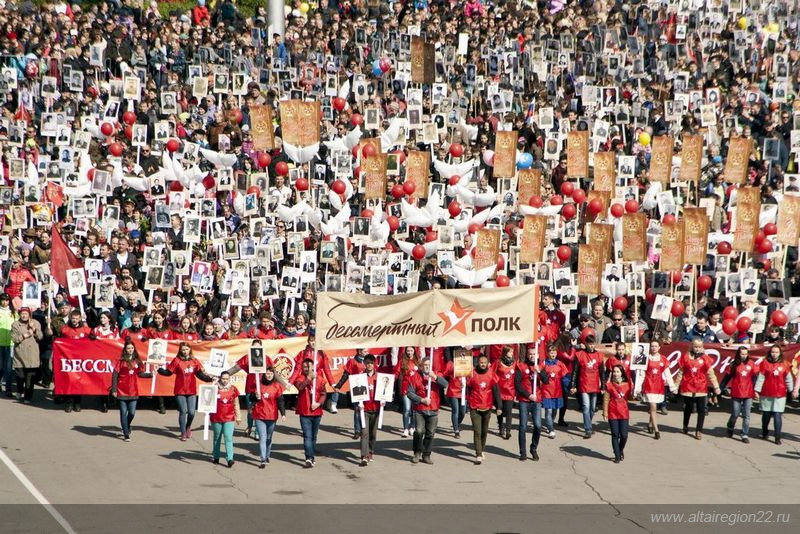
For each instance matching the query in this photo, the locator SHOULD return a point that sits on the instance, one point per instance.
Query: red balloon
(501, 262)
(743, 324)
(356, 119)
(564, 252)
(668, 219)
(339, 103)
(586, 332)
(454, 208)
(569, 211)
(368, 213)
(595, 206)
(730, 312)
(676, 277)
(535, 201)
(263, 160)
(385, 64)
(398, 191)
(354, 151)
(173, 145)
(650, 295)
(129, 118)
(474, 227)
(456, 150)
(760, 236)
(129, 132)
(401, 155)
(631, 206)
(409, 186)
(301, 184)
(556, 200)
(502, 281)
(729, 326)
(453, 180)
(724, 248)
(369, 150)
(617, 210)
(175, 186)
(208, 183)
(252, 190)
(418, 252)
(115, 149)
(107, 128)
(770, 229)
(579, 195)
(765, 246)
(236, 115)
(390, 247)
(339, 187)
(394, 222)
(567, 188)
(704, 283)
(767, 263)
(621, 303)
(779, 318)
(677, 308)
(90, 174)
(282, 168)
(431, 235)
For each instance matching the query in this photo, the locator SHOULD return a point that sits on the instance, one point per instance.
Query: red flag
(61, 259)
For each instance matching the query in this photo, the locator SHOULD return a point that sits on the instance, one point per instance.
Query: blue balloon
(376, 71)
(525, 161)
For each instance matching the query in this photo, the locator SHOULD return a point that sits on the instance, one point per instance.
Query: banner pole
(361, 415)
(206, 421)
(314, 381)
(154, 370)
(430, 356)
(380, 415)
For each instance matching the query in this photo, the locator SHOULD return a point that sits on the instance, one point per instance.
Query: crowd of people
(140, 203)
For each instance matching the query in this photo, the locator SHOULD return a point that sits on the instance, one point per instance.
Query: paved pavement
(53, 449)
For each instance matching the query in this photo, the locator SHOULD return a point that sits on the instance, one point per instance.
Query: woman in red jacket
(773, 383)
(504, 371)
(482, 393)
(408, 365)
(125, 385)
(158, 329)
(18, 274)
(552, 390)
(267, 401)
(105, 330)
(224, 419)
(186, 330)
(695, 372)
(311, 393)
(741, 378)
(185, 367)
(657, 375)
(615, 410)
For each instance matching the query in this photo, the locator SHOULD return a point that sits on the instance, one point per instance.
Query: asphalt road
(80, 458)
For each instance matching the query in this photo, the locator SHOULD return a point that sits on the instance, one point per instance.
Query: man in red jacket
(310, 398)
(75, 329)
(587, 377)
(425, 391)
(551, 319)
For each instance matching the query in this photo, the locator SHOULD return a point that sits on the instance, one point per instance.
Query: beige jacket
(26, 346)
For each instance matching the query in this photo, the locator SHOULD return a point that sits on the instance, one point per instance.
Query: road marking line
(36, 493)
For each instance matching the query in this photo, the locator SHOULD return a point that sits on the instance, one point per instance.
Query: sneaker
(587, 435)
(534, 456)
(478, 460)
(457, 435)
(313, 462)
(483, 457)
(262, 465)
(745, 439)
(405, 433)
(686, 430)
(334, 410)
(104, 408)
(551, 434)
(309, 463)
(427, 460)
(370, 458)
(698, 435)
(230, 463)
(616, 460)
(162, 410)
(364, 461)
(415, 458)
(126, 438)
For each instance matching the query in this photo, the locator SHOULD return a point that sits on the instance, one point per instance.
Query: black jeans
(425, 431)
(26, 377)
(619, 436)
(369, 434)
(699, 404)
(504, 419)
(480, 428)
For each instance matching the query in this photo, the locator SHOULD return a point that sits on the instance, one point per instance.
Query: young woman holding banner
(773, 383)
(224, 419)
(267, 402)
(186, 369)
(125, 385)
(529, 395)
(616, 411)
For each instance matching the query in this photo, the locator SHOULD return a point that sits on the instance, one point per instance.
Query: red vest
(128, 378)
(589, 365)
(555, 372)
(184, 371)
(304, 399)
(618, 400)
(421, 389)
(266, 408)
(505, 379)
(742, 380)
(774, 378)
(226, 410)
(528, 374)
(72, 332)
(695, 374)
(479, 390)
(654, 378)
(453, 383)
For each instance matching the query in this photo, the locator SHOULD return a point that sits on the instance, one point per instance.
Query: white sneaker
(552, 434)
(405, 433)
(334, 410)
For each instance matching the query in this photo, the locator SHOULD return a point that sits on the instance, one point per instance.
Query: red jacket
(140, 335)
(654, 381)
(453, 383)
(99, 334)
(185, 336)
(241, 335)
(266, 408)
(618, 395)
(185, 371)
(524, 377)
(226, 405)
(250, 379)
(613, 361)
(372, 405)
(695, 374)
(260, 333)
(774, 374)
(304, 400)
(505, 379)
(587, 378)
(127, 378)
(16, 277)
(567, 357)
(200, 16)
(551, 323)
(155, 333)
(555, 372)
(420, 386)
(73, 332)
(480, 390)
(741, 379)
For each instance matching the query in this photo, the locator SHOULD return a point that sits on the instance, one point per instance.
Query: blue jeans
(334, 399)
(249, 405)
(265, 429)
(356, 419)
(534, 409)
(310, 427)
(588, 403)
(127, 411)
(6, 357)
(409, 421)
(223, 430)
(548, 418)
(187, 404)
(619, 436)
(457, 412)
(741, 407)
